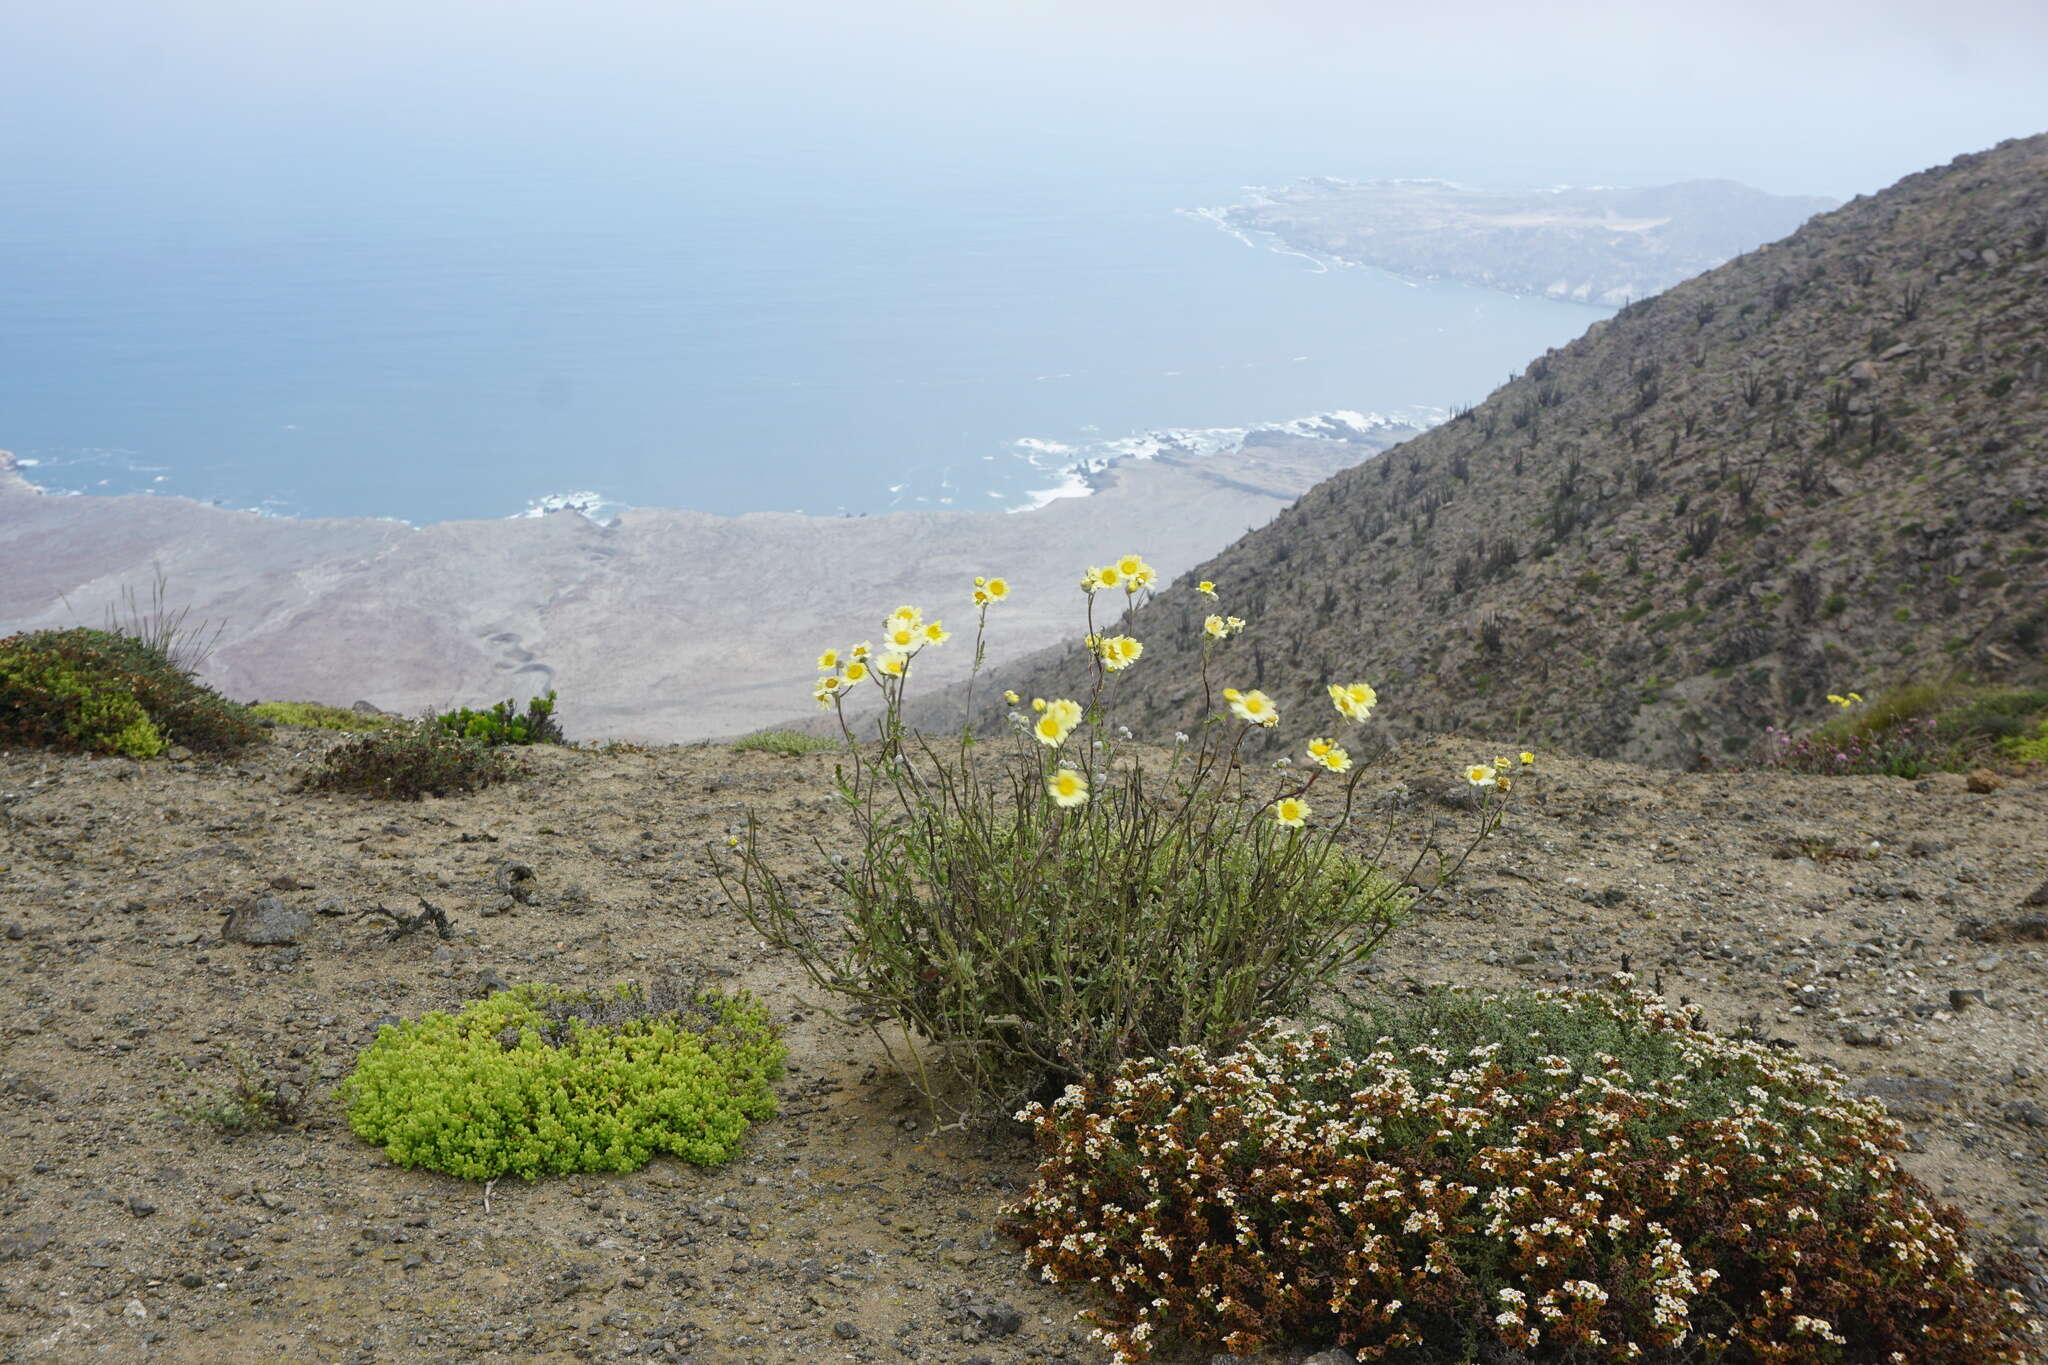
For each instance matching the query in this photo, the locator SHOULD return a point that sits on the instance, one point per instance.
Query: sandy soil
(1825, 912)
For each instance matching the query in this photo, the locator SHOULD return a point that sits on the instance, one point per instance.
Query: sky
(1833, 98)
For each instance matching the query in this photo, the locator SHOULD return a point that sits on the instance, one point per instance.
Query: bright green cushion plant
(538, 1080)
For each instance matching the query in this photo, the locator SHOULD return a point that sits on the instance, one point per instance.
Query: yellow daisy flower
(1354, 701)
(1292, 811)
(861, 650)
(906, 616)
(1108, 576)
(1067, 787)
(1038, 703)
(1330, 754)
(901, 638)
(1051, 730)
(1216, 628)
(1482, 775)
(1068, 711)
(936, 634)
(828, 661)
(981, 597)
(855, 671)
(1012, 698)
(893, 665)
(1527, 758)
(1255, 708)
(1206, 588)
(997, 588)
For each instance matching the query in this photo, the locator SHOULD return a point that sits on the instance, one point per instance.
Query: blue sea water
(730, 330)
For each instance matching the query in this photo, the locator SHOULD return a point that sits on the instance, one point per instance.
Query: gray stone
(330, 905)
(516, 880)
(265, 921)
(1915, 1099)
(2026, 1113)
(1336, 1355)
(996, 1319)
(363, 708)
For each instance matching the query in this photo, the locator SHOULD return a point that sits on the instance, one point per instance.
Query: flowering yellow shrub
(1035, 907)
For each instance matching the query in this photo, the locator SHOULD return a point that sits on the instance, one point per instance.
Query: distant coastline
(656, 624)
(1601, 246)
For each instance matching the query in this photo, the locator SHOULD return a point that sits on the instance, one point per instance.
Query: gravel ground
(1835, 915)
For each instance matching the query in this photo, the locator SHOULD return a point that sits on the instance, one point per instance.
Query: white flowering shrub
(1563, 1177)
(1034, 908)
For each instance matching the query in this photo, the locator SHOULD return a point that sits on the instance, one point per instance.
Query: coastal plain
(662, 626)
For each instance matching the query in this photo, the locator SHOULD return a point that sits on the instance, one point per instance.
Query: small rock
(516, 881)
(2028, 929)
(2038, 896)
(363, 708)
(192, 1279)
(845, 1331)
(1983, 781)
(141, 1208)
(15, 933)
(330, 905)
(2026, 1113)
(1336, 1355)
(1857, 1034)
(996, 1319)
(1960, 1000)
(1915, 1099)
(265, 921)
(502, 905)
(289, 883)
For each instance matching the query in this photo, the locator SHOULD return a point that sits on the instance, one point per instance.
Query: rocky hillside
(1602, 246)
(1818, 467)
(1888, 928)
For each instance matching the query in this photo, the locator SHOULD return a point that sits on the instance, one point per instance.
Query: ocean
(734, 329)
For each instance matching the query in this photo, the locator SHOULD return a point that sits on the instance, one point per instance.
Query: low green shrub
(1941, 725)
(98, 692)
(539, 1081)
(1567, 1178)
(409, 762)
(788, 743)
(313, 716)
(253, 1101)
(504, 723)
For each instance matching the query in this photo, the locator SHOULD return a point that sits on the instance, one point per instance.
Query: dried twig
(407, 924)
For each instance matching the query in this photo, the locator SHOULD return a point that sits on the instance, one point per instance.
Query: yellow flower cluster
(1329, 754)
(1056, 720)
(990, 590)
(1354, 701)
(1117, 652)
(1845, 702)
(1129, 572)
(1495, 774)
(905, 634)
(1253, 708)
(1222, 627)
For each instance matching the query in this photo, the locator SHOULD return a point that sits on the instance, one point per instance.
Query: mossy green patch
(539, 1081)
(314, 716)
